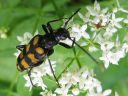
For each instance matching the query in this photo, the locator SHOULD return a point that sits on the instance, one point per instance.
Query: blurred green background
(20, 16)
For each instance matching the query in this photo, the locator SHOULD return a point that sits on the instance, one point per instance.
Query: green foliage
(19, 16)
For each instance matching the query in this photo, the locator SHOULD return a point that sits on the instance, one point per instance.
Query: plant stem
(77, 60)
(66, 67)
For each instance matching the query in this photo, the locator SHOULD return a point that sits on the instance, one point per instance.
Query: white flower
(44, 68)
(79, 32)
(17, 53)
(115, 21)
(107, 92)
(3, 35)
(92, 49)
(125, 20)
(98, 18)
(26, 37)
(97, 90)
(96, 10)
(3, 32)
(91, 84)
(85, 82)
(63, 91)
(28, 83)
(116, 94)
(109, 56)
(75, 91)
(125, 47)
(37, 80)
(113, 24)
(85, 18)
(69, 78)
(106, 46)
(110, 30)
(47, 93)
(84, 76)
(100, 93)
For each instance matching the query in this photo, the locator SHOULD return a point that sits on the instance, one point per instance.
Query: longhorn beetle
(40, 47)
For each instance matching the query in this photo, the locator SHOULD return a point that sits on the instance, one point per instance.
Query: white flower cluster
(102, 26)
(74, 83)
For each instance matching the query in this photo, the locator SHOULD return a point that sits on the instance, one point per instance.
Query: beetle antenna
(71, 17)
(84, 50)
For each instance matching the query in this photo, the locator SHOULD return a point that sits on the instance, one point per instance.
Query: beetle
(40, 47)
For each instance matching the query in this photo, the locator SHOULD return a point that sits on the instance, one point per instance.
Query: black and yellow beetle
(40, 47)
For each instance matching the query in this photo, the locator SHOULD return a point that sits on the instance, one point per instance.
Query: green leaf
(21, 89)
(115, 74)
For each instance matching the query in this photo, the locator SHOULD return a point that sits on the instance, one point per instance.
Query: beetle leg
(29, 74)
(50, 52)
(53, 71)
(45, 29)
(65, 45)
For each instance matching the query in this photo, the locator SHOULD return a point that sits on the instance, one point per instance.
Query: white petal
(36, 33)
(92, 49)
(75, 29)
(107, 92)
(99, 89)
(58, 90)
(113, 16)
(27, 35)
(116, 94)
(118, 25)
(91, 11)
(96, 5)
(3, 35)
(119, 19)
(83, 28)
(75, 91)
(115, 10)
(125, 20)
(85, 35)
(104, 10)
(123, 10)
(113, 30)
(96, 20)
(19, 38)
(106, 64)
(81, 16)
